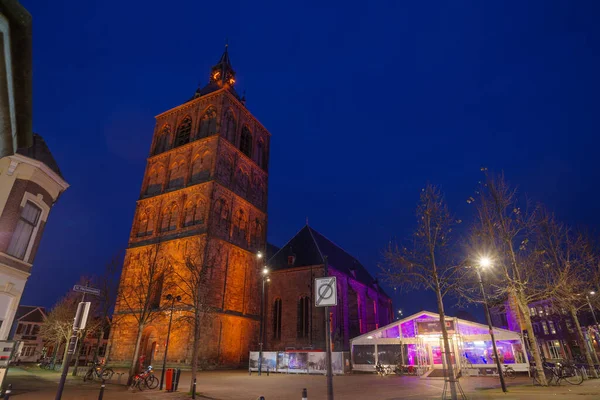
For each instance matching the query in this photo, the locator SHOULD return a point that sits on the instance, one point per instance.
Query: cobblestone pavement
(238, 385)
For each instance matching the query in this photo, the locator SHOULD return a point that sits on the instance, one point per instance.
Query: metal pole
(63, 377)
(328, 342)
(261, 334)
(194, 390)
(162, 373)
(595, 320)
(489, 321)
(8, 392)
(101, 395)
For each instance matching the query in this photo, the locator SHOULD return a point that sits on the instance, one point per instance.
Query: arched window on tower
(162, 140)
(246, 141)
(155, 180)
(208, 123)
(201, 167)
(169, 218)
(303, 325)
(194, 212)
(277, 319)
(239, 227)
(230, 126)
(221, 212)
(177, 174)
(142, 229)
(260, 154)
(183, 132)
(257, 234)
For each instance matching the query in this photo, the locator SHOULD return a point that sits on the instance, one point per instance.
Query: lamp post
(172, 299)
(265, 278)
(483, 263)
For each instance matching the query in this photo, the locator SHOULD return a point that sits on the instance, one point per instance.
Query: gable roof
(309, 247)
(30, 314)
(39, 151)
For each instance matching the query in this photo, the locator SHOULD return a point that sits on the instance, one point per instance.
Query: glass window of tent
(482, 352)
(364, 354)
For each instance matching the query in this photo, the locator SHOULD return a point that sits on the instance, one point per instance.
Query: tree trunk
(136, 351)
(100, 337)
(78, 348)
(65, 352)
(594, 354)
(195, 349)
(535, 351)
(582, 342)
(447, 348)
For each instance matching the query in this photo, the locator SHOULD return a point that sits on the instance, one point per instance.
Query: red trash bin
(169, 380)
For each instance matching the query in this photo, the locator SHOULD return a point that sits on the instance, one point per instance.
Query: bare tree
(58, 324)
(504, 231)
(568, 260)
(140, 289)
(425, 263)
(192, 280)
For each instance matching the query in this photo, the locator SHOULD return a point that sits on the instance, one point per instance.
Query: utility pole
(328, 342)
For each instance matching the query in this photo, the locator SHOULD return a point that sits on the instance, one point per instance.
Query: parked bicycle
(557, 372)
(383, 370)
(145, 378)
(98, 370)
(508, 372)
(49, 364)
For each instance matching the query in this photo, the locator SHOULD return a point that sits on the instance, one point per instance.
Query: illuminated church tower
(205, 182)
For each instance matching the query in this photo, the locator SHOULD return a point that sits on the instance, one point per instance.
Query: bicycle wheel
(107, 374)
(89, 375)
(151, 382)
(572, 375)
(509, 373)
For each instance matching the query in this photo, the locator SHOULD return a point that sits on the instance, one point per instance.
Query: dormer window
(291, 260)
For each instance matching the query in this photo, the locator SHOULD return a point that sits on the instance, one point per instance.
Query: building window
(545, 328)
(277, 319)
(208, 123)
(35, 330)
(177, 175)
(239, 225)
(20, 328)
(162, 140)
(155, 178)
(554, 348)
(552, 328)
(303, 325)
(532, 311)
(194, 213)
(569, 325)
(145, 224)
(230, 126)
(540, 311)
(246, 142)
(169, 218)
(536, 329)
(21, 237)
(183, 132)
(156, 293)
(200, 168)
(547, 310)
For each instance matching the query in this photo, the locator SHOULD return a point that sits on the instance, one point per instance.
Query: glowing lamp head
(592, 293)
(259, 254)
(485, 262)
(265, 271)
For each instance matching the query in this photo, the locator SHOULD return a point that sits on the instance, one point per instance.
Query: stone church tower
(205, 187)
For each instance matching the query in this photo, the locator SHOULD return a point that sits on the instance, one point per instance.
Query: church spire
(222, 73)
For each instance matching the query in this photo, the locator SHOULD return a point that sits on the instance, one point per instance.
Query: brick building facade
(292, 320)
(205, 184)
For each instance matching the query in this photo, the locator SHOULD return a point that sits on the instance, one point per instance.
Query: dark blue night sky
(366, 102)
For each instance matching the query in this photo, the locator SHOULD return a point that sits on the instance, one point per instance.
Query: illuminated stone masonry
(205, 185)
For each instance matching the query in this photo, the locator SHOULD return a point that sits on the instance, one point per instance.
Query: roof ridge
(315, 242)
(336, 245)
(286, 243)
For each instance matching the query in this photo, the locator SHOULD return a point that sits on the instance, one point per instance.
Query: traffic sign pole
(328, 341)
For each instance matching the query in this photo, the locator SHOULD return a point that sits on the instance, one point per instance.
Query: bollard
(8, 391)
(120, 374)
(101, 395)
(176, 384)
(267, 370)
(261, 398)
(304, 394)
(194, 390)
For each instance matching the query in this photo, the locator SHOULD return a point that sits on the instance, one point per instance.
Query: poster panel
(282, 362)
(269, 361)
(253, 361)
(298, 362)
(317, 363)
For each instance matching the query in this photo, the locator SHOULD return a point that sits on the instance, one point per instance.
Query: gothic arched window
(142, 224)
(155, 180)
(169, 218)
(246, 141)
(239, 225)
(260, 154)
(303, 322)
(277, 319)
(201, 167)
(230, 126)
(162, 140)
(208, 123)
(194, 212)
(177, 174)
(257, 234)
(183, 132)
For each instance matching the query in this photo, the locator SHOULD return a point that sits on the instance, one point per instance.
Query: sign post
(79, 323)
(326, 295)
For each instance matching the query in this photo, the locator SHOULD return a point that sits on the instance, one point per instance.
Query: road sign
(326, 291)
(87, 289)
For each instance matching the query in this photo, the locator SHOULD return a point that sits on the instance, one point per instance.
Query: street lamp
(265, 278)
(172, 299)
(485, 262)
